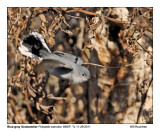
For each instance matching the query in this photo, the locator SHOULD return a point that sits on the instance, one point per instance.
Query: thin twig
(94, 64)
(143, 101)
(148, 8)
(56, 98)
(143, 14)
(110, 66)
(28, 105)
(150, 30)
(148, 51)
(75, 16)
(94, 14)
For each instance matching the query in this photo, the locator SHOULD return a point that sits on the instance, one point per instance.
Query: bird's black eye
(83, 74)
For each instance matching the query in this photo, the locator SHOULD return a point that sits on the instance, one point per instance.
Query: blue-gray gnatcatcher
(60, 64)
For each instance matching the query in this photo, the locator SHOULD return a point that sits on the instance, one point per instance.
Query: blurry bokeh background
(120, 39)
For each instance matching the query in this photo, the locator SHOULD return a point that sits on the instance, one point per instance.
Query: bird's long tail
(34, 46)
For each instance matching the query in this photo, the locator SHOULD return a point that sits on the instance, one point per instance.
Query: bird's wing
(49, 63)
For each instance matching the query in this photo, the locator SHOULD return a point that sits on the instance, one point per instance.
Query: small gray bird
(60, 64)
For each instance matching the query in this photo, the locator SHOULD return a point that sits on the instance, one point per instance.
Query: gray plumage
(60, 64)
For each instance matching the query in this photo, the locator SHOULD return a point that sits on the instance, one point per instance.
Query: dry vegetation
(120, 39)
